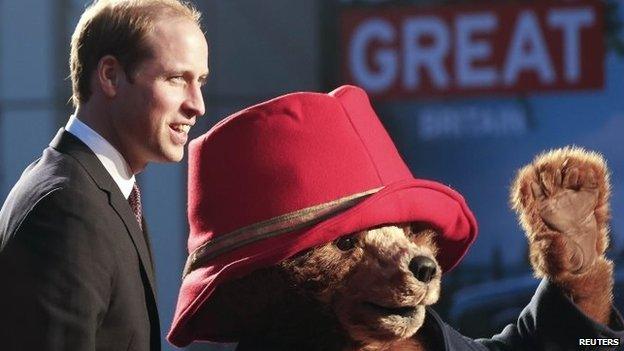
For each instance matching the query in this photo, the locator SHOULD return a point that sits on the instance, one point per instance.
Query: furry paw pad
(562, 202)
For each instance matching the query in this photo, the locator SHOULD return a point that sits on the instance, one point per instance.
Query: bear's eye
(346, 243)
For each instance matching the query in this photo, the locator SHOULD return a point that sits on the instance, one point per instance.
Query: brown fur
(550, 252)
(334, 297)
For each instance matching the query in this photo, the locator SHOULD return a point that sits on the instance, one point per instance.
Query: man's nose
(423, 268)
(194, 104)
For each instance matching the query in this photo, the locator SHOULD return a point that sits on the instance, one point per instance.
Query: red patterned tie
(135, 203)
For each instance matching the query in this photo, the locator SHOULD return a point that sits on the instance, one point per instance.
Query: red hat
(290, 174)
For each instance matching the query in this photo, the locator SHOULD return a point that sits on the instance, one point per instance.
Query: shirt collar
(112, 160)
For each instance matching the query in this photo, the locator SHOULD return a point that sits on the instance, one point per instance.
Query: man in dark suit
(76, 270)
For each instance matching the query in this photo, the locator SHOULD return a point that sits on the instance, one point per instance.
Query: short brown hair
(117, 28)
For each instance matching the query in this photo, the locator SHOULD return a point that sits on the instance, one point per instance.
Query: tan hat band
(288, 222)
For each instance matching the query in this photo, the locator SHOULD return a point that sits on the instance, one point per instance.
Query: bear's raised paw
(561, 199)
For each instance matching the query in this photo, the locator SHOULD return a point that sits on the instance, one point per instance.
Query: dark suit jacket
(76, 271)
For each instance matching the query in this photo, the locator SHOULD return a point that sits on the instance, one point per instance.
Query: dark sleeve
(552, 322)
(55, 277)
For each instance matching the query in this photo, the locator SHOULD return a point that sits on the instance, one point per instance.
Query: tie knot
(135, 203)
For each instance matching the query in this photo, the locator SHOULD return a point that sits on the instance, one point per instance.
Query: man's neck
(95, 119)
(99, 119)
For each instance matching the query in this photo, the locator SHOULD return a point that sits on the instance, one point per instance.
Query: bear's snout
(423, 268)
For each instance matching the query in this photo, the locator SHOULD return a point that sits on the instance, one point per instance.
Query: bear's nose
(423, 268)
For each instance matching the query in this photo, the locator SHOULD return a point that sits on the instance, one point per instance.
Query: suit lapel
(121, 206)
(68, 144)
(147, 240)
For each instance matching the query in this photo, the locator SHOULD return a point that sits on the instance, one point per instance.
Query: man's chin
(172, 155)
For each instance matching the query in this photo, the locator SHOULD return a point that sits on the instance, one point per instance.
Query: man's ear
(109, 74)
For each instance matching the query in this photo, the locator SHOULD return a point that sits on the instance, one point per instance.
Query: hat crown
(292, 152)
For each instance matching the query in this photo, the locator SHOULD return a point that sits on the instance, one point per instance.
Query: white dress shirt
(112, 160)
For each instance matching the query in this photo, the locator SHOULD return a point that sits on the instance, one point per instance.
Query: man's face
(155, 111)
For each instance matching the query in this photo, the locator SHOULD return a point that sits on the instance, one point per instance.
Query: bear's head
(376, 282)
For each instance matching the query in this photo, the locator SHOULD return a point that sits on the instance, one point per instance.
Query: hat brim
(412, 200)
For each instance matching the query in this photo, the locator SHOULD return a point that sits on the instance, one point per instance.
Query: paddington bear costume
(303, 169)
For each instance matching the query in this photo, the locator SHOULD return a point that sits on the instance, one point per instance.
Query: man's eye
(346, 243)
(177, 79)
